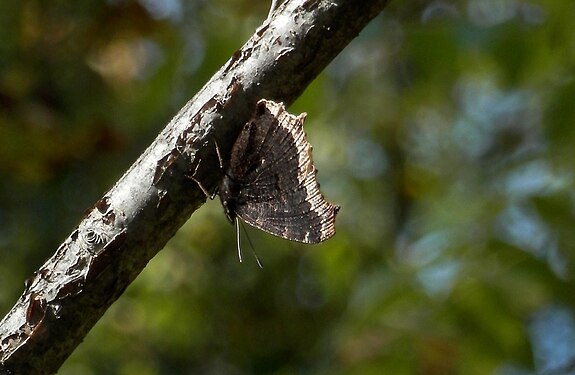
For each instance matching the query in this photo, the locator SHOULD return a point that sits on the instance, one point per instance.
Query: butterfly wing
(277, 190)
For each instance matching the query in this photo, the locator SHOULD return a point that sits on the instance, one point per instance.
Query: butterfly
(270, 180)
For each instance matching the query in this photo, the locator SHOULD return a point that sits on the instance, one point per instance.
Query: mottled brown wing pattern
(270, 182)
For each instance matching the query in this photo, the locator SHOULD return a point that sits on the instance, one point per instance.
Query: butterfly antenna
(252, 247)
(238, 239)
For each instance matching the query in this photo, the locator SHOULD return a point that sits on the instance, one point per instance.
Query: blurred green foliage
(445, 132)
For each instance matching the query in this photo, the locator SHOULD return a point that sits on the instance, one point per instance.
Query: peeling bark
(133, 221)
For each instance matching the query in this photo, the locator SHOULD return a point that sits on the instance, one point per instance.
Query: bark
(134, 220)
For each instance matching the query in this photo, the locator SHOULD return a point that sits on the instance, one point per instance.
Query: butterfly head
(228, 191)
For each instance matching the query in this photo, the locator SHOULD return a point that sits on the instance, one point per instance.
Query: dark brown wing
(275, 188)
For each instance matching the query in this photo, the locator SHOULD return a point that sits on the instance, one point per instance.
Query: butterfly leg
(219, 155)
(204, 190)
(193, 175)
(272, 8)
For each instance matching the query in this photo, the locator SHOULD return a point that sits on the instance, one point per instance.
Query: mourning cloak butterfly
(270, 180)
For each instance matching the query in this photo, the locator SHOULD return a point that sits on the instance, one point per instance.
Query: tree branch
(134, 220)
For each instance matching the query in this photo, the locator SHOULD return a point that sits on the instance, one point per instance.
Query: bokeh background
(445, 131)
